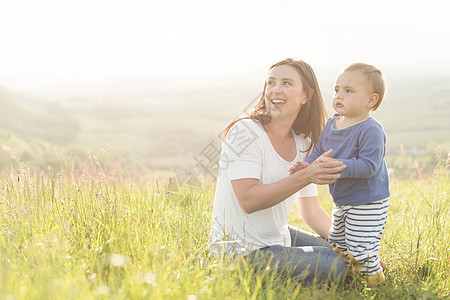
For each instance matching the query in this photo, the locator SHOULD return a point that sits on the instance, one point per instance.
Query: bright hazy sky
(134, 38)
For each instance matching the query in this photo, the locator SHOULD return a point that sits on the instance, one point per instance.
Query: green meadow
(96, 233)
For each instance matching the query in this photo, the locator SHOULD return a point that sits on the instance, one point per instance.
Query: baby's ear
(373, 100)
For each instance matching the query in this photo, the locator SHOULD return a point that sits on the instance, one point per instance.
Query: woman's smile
(277, 102)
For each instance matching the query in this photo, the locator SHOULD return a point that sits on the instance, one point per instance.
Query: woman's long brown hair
(312, 115)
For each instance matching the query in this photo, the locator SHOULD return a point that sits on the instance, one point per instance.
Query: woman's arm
(253, 196)
(313, 215)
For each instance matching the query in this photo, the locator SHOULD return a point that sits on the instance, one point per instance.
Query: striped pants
(357, 230)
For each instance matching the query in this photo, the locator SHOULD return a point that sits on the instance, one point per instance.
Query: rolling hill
(167, 129)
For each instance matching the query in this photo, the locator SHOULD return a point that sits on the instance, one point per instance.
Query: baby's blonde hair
(374, 77)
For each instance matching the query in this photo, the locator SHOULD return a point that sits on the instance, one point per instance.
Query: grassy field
(97, 233)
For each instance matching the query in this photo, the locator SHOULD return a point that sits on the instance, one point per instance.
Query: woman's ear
(373, 100)
(310, 94)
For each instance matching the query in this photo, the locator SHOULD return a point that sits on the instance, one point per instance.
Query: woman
(255, 193)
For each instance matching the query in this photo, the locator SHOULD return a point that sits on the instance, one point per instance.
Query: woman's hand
(324, 170)
(300, 165)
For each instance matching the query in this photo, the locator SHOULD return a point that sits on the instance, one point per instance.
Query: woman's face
(284, 95)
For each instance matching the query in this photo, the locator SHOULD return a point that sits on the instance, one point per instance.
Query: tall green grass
(91, 234)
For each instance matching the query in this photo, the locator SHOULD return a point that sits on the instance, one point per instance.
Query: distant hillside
(171, 129)
(30, 117)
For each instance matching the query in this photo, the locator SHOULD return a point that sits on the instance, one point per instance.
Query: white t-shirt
(248, 153)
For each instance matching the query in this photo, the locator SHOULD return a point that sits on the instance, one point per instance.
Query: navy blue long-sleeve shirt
(361, 148)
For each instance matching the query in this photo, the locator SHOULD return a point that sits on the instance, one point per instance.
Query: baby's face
(352, 94)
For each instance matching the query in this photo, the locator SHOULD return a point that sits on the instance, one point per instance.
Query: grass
(102, 234)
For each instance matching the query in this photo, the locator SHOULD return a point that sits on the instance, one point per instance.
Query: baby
(361, 194)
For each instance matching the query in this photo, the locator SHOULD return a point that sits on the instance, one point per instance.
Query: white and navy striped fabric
(358, 229)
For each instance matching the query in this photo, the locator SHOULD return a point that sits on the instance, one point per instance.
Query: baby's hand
(297, 167)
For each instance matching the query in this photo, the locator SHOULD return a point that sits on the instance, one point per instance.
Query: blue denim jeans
(309, 259)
